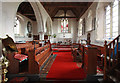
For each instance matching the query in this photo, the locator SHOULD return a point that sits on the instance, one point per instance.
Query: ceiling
(26, 9)
(77, 8)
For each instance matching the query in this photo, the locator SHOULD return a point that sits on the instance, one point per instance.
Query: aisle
(63, 68)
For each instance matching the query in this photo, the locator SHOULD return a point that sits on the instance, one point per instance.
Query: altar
(64, 41)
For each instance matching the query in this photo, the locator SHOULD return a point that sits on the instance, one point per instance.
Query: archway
(27, 18)
(9, 10)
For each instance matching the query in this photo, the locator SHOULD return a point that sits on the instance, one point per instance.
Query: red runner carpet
(63, 68)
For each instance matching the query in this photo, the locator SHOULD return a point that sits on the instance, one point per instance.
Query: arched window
(64, 25)
(111, 30)
(16, 26)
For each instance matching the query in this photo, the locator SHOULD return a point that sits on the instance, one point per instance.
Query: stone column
(41, 35)
(0, 60)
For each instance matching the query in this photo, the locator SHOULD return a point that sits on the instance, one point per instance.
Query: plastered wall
(72, 25)
(98, 11)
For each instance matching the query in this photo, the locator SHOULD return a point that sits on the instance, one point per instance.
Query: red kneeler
(19, 80)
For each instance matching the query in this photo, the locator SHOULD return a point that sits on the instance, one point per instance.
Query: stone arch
(37, 12)
(38, 15)
(9, 11)
(48, 27)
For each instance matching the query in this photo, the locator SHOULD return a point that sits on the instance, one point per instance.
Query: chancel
(63, 41)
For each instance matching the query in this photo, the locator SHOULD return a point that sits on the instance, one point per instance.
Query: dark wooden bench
(25, 47)
(15, 60)
(100, 58)
(38, 58)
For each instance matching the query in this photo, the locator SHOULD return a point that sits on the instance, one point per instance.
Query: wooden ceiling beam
(75, 12)
(54, 4)
(29, 14)
(54, 12)
(78, 8)
(26, 10)
(65, 6)
(63, 17)
(84, 10)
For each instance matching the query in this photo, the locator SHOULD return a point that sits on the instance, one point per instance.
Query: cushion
(20, 57)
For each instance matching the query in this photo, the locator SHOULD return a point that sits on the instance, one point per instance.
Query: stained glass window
(64, 25)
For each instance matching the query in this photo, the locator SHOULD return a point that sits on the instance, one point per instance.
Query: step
(117, 71)
(98, 78)
(31, 77)
(113, 78)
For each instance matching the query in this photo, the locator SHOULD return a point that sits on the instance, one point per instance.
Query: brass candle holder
(8, 46)
(5, 64)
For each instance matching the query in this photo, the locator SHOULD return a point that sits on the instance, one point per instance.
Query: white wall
(72, 25)
(8, 15)
(0, 61)
(100, 14)
(56, 29)
(0, 41)
(23, 28)
(23, 22)
(98, 11)
(0, 16)
(74, 29)
(119, 19)
(35, 28)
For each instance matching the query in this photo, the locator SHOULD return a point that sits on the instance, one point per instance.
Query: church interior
(59, 41)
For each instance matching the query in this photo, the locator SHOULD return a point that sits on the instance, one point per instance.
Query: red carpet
(63, 68)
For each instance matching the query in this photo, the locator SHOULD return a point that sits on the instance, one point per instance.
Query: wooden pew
(100, 49)
(13, 67)
(88, 57)
(38, 58)
(100, 52)
(85, 52)
(25, 47)
(75, 52)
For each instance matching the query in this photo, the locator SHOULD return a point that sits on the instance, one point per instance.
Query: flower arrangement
(54, 35)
